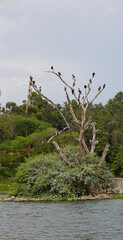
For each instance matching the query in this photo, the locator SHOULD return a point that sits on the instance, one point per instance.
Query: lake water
(87, 220)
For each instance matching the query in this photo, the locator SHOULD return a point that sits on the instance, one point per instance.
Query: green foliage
(115, 105)
(26, 136)
(117, 196)
(65, 138)
(4, 172)
(11, 106)
(117, 165)
(7, 185)
(49, 176)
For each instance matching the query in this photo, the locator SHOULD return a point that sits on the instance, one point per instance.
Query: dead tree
(82, 98)
(29, 94)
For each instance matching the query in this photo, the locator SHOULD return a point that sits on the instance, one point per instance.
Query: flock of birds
(73, 85)
(74, 81)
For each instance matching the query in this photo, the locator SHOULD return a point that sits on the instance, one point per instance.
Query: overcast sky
(75, 36)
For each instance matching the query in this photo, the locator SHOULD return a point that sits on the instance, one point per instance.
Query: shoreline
(28, 199)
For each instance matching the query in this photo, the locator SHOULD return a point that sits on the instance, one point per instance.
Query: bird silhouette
(72, 91)
(99, 88)
(52, 68)
(73, 76)
(31, 78)
(104, 85)
(74, 84)
(59, 73)
(93, 74)
(79, 91)
(33, 82)
(85, 86)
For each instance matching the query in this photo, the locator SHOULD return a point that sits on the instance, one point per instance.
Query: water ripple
(86, 220)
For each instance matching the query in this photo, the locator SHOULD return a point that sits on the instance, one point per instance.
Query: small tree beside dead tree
(84, 124)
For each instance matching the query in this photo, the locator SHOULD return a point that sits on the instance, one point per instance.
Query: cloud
(77, 37)
(6, 26)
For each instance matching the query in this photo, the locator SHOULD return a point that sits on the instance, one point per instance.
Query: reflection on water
(87, 220)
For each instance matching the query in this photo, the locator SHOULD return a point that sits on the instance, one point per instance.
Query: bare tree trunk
(81, 155)
(62, 154)
(103, 155)
(93, 142)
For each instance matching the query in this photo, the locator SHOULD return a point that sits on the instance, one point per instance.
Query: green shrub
(48, 176)
(4, 172)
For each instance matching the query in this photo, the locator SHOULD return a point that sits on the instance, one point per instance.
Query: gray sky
(75, 36)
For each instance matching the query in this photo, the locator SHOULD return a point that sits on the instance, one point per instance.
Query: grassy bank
(117, 196)
(7, 186)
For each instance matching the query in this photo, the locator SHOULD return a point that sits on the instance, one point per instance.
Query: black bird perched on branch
(72, 91)
(59, 73)
(74, 84)
(104, 85)
(52, 68)
(99, 88)
(73, 76)
(79, 91)
(31, 78)
(93, 74)
(85, 86)
(33, 82)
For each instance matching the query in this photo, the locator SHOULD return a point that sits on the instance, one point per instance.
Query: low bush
(48, 176)
(4, 172)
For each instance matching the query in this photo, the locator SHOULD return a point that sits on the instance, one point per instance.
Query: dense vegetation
(49, 177)
(25, 137)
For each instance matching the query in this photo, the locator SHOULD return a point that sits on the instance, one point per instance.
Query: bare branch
(93, 142)
(89, 89)
(67, 124)
(60, 78)
(72, 89)
(71, 109)
(29, 93)
(88, 123)
(104, 154)
(62, 155)
(96, 95)
(57, 133)
(85, 146)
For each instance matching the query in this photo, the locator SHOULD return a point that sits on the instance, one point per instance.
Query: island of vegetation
(54, 152)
